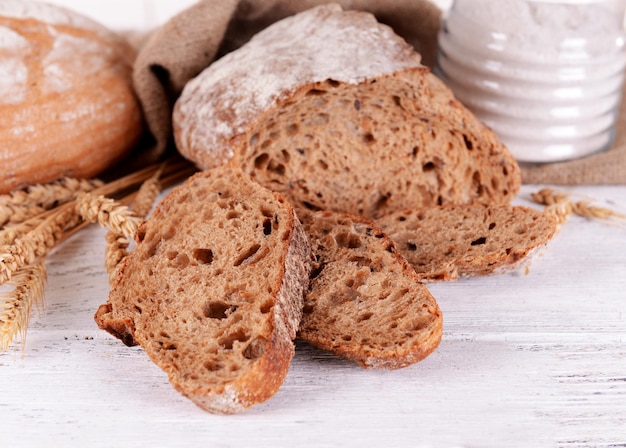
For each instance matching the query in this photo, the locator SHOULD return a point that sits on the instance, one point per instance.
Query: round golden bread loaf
(67, 106)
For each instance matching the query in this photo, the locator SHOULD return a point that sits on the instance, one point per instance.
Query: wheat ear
(16, 305)
(586, 210)
(562, 207)
(149, 190)
(24, 246)
(36, 244)
(20, 205)
(10, 234)
(108, 213)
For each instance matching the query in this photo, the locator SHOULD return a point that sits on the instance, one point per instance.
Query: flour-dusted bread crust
(445, 243)
(335, 111)
(214, 290)
(365, 302)
(67, 106)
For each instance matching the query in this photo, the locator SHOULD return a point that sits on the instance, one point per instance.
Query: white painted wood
(536, 360)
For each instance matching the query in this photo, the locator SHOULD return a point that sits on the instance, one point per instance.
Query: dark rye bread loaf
(214, 290)
(365, 302)
(335, 111)
(445, 243)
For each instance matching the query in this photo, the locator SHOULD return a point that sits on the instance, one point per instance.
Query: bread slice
(365, 302)
(214, 290)
(335, 111)
(445, 243)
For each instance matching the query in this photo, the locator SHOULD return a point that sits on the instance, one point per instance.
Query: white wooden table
(536, 360)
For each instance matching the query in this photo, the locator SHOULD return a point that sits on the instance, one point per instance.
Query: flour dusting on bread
(13, 70)
(334, 110)
(345, 46)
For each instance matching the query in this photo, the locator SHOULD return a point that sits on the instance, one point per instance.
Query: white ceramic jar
(545, 75)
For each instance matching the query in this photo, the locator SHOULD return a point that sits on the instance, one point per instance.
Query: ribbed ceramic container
(545, 76)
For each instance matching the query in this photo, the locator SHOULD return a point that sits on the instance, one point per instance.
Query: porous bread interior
(449, 242)
(390, 143)
(202, 284)
(364, 302)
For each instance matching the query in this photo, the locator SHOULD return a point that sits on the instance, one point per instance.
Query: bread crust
(275, 328)
(67, 106)
(226, 98)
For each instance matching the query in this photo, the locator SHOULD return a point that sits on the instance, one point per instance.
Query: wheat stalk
(16, 306)
(584, 209)
(557, 204)
(20, 205)
(547, 196)
(117, 244)
(14, 215)
(149, 190)
(175, 168)
(10, 234)
(25, 244)
(108, 213)
(116, 250)
(562, 207)
(30, 247)
(22, 247)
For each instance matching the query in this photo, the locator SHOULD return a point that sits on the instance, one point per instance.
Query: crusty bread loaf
(445, 243)
(214, 290)
(335, 111)
(67, 106)
(365, 302)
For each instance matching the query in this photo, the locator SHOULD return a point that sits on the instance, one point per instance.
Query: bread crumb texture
(446, 243)
(213, 292)
(365, 302)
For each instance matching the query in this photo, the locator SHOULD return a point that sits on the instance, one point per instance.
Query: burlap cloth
(190, 41)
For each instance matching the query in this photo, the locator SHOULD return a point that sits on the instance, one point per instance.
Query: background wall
(138, 15)
(127, 15)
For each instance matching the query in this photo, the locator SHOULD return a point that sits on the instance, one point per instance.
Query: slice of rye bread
(445, 243)
(365, 302)
(335, 111)
(214, 290)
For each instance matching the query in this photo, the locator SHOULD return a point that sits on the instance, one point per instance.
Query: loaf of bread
(67, 106)
(214, 290)
(365, 302)
(445, 243)
(335, 111)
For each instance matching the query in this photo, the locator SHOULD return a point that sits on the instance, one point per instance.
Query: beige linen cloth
(190, 41)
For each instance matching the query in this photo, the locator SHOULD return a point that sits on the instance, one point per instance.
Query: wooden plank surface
(536, 359)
